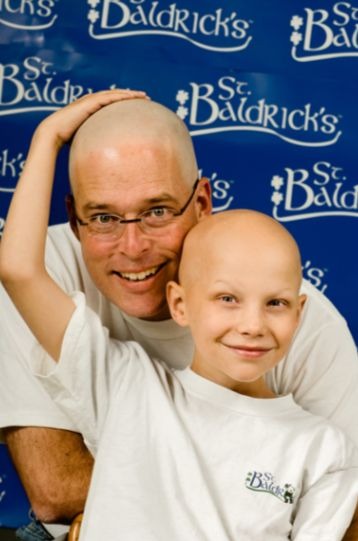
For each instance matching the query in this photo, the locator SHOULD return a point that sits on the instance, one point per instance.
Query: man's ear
(203, 203)
(176, 303)
(71, 213)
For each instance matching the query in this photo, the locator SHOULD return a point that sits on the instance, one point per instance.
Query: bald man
(135, 198)
(143, 162)
(209, 452)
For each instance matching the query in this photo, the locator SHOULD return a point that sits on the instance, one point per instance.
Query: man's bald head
(250, 237)
(134, 124)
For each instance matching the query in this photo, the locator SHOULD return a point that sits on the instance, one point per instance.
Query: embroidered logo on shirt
(265, 482)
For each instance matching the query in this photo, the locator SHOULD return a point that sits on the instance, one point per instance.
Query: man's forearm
(352, 532)
(55, 469)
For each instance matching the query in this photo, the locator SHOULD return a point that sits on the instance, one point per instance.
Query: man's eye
(158, 212)
(158, 216)
(104, 219)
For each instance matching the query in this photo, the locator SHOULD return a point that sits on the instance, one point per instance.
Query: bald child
(208, 453)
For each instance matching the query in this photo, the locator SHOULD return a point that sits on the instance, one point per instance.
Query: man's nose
(133, 242)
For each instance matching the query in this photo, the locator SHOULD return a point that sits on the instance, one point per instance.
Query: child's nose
(251, 321)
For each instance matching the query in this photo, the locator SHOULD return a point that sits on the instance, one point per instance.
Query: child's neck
(254, 389)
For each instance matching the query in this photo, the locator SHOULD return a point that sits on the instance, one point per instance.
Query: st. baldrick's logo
(322, 33)
(30, 15)
(232, 105)
(321, 190)
(34, 85)
(219, 29)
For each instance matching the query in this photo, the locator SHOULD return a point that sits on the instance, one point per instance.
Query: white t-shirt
(321, 369)
(182, 458)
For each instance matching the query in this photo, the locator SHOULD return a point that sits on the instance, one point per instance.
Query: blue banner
(267, 89)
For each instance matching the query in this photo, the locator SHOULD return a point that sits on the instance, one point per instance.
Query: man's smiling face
(132, 270)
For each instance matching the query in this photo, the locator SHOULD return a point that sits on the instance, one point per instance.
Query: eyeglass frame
(139, 219)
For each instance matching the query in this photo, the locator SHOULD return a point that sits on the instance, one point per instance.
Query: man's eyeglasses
(150, 221)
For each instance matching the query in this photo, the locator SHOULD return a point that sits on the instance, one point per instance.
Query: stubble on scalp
(256, 235)
(134, 124)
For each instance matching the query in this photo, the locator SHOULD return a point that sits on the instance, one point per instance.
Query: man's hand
(62, 125)
(352, 532)
(55, 469)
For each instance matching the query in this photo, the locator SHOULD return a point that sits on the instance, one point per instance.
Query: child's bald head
(240, 276)
(250, 238)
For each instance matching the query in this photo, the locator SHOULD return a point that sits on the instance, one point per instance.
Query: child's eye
(227, 298)
(278, 302)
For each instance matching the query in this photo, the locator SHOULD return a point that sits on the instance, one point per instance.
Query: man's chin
(143, 308)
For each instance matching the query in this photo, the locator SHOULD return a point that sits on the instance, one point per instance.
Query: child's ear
(176, 303)
(301, 302)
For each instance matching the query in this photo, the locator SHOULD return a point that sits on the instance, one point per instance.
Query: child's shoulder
(325, 437)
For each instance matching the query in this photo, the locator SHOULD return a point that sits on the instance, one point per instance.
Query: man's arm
(55, 469)
(352, 532)
(321, 368)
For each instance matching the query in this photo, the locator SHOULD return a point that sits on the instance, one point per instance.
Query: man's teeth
(136, 276)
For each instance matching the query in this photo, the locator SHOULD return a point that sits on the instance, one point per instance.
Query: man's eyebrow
(162, 198)
(96, 206)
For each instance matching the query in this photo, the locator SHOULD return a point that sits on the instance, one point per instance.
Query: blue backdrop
(268, 89)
